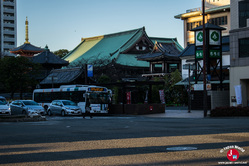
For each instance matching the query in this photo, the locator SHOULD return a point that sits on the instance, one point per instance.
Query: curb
(21, 118)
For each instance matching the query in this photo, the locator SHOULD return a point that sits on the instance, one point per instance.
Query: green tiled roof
(167, 40)
(112, 47)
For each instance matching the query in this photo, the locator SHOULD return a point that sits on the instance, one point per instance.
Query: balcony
(7, 39)
(7, 32)
(6, 3)
(7, 10)
(12, 18)
(11, 25)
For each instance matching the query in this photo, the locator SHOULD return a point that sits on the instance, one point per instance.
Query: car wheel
(49, 113)
(63, 113)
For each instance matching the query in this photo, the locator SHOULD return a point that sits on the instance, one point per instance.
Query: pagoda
(27, 49)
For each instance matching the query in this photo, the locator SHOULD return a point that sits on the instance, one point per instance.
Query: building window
(218, 21)
(243, 47)
(172, 67)
(243, 13)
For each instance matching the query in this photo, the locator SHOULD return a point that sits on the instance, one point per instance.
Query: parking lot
(122, 140)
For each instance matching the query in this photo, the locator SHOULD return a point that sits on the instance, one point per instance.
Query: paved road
(130, 140)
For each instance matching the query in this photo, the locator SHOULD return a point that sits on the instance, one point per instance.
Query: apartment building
(239, 53)
(8, 25)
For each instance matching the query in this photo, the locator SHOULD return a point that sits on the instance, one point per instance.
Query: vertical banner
(238, 94)
(161, 93)
(89, 70)
(128, 97)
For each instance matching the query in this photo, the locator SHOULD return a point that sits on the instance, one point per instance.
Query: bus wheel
(49, 113)
(63, 113)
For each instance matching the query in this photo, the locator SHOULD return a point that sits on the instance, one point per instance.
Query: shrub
(230, 111)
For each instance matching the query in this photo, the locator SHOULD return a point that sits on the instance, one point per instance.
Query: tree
(174, 94)
(61, 53)
(17, 74)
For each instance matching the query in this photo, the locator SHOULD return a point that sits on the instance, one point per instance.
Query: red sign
(128, 97)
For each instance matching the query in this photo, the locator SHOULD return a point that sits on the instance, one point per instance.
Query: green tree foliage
(155, 92)
(17, 74)
(174, 94)
(61, 53)
(104, 79)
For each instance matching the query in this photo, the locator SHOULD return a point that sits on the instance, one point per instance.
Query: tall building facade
(217, 11)
(239, 49)
(8, 25)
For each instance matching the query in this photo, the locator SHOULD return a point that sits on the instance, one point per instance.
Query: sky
(61, 24)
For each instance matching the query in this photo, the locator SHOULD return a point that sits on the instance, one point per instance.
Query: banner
(238, 94)
(162, 97)
(128, 97)
(89, 70)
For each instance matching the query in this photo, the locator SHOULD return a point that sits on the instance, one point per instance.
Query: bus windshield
(99, 98)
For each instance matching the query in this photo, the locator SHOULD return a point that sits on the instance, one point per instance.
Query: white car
(28, 107)
(4, 107)
(64, 107)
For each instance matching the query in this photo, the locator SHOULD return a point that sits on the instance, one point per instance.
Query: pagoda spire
(27, 32)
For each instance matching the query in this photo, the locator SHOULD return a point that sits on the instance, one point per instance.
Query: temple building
(163, 59)
(119, 50)
(27, 49)
(48, 62)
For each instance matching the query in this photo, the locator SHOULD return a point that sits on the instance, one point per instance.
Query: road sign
(89, 70)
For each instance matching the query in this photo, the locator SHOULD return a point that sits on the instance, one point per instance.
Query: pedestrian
(87, 109)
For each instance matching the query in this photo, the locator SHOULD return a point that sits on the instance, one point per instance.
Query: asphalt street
(124, 140)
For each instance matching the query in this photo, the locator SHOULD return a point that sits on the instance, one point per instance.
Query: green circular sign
(215, 36)
(200, 36)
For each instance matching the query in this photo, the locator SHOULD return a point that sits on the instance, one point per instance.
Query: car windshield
(68, 102)
(30, 102)
(3, 102)
(99, 98)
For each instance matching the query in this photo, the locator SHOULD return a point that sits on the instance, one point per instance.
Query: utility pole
(204, 60)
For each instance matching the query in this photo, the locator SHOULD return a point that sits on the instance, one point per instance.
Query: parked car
(27, 107)
(4, 106)
(63, 107)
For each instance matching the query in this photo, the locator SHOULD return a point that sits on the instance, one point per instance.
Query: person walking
(87, 109)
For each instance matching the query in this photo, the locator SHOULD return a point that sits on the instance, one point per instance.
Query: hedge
(229, 111)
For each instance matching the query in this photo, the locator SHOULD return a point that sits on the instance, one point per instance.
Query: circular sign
(233, 155)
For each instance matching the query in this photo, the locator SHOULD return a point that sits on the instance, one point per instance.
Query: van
(4, 106)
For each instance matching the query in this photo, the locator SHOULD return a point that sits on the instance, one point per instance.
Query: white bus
(100, 97)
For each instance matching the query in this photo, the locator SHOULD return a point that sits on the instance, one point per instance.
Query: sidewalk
(180, 112)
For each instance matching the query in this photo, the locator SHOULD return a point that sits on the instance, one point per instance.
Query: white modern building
(8, 25)
(217, 13)
(239, 53)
